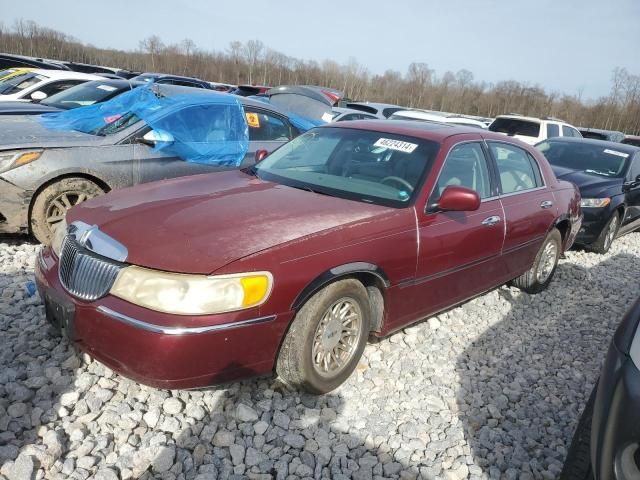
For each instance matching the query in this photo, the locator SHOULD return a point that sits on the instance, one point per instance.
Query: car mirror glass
(38, 96)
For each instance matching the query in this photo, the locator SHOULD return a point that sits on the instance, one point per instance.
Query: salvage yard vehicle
(380, 110)
(608, 176)
(88, 93)
(350, 229)
(340, 114)
(423, 116)
(38, 84)
(166, 79)
(533, 130)
(606, 444)
(43, 171)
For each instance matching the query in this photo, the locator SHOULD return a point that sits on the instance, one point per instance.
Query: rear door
(267, 131)
(528, 204)
(459, 252)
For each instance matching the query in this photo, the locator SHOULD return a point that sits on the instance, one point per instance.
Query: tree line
(253, 62)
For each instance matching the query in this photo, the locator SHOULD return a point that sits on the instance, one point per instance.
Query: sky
(566, 46)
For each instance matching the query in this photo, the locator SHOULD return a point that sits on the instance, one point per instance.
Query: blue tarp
(206, 128)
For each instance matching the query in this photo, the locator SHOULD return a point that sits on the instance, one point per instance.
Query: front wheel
(326, 338)
(538, 277)
(577, 466)
(52, 204)
(608, 234)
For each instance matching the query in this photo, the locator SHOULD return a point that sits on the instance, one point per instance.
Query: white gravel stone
(491, 389)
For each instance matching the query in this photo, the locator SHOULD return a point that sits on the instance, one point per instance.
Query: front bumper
(594, 221)
(14, 208)
(615, 429)
(167, 351)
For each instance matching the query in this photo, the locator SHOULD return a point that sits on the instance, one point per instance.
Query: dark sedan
(608, 175)
(348, 230)
(88, 93)
(606, 444)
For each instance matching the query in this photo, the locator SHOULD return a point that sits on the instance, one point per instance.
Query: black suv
(606, 445)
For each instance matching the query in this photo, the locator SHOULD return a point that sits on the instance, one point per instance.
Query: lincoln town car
(287, 267)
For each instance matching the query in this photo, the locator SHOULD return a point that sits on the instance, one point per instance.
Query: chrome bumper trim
(150, 327)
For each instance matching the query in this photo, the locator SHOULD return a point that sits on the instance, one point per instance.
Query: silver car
(44, 172)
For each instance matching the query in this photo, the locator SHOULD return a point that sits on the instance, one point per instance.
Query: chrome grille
(83, 274)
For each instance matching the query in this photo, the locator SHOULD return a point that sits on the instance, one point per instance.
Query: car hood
(25, 108)
(25, 131)
(590, 184)
(201, 223)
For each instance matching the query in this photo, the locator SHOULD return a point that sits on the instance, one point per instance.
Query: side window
(465, 166)
(634, 171)
(264, 127)
(57, 87)
(518, 171)
(569, 132)
(552, 130)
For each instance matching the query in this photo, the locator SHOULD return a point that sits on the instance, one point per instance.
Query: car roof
(173, 90)
(621, 147)
(157, 76)
(65, 74)
(435, 131)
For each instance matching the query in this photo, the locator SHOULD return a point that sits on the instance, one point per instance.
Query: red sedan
(289, 266)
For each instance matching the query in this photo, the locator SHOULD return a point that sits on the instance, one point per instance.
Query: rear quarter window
(515, 126)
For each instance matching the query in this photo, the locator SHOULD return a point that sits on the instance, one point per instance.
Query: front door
(459, 252)
(631, 219)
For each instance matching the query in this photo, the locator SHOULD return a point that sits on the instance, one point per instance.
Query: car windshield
(117, 124)
(82, 95)
(515, 126)
(19, 82)
(362, 165)
(590, 158)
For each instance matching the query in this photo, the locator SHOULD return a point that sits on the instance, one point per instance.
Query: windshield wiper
(309, 189)
(598, 172)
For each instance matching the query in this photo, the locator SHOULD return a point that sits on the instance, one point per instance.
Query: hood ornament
(96, 241)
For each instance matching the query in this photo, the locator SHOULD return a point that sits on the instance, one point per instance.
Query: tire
(577, 466)
(607, 235)
(54, 201)
(300, 361)
(537, 278)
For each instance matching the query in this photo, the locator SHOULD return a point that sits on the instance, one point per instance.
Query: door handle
(546, 204)
(490, 221)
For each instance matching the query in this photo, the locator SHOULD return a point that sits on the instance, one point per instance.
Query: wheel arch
(370, 275)
(50, 181)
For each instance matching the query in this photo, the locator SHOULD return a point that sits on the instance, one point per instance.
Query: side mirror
(155, 138)
(261, 155)
(38, 96)
(458, 199)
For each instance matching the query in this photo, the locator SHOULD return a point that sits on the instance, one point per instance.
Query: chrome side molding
(152, 327)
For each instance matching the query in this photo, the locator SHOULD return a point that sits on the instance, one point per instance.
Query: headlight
(595, 202)
(13, 160)
(183, 294)
(58, 236)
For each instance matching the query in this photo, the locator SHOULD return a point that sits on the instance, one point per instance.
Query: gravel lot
(491, 389)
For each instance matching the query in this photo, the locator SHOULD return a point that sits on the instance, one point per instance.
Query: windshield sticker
(112, 118)
(327, 117)
(398, 145)
(106, 88)
(615, 152)
(253, 120)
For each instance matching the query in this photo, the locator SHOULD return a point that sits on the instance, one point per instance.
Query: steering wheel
(399, 180)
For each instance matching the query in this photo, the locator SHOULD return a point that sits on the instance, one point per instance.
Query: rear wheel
(52, 204)
(326, 338)
(608, 234)
(538, 277)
